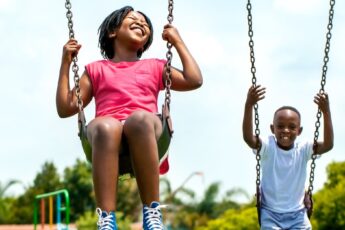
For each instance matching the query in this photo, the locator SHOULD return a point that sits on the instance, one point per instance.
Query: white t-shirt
(284, 175)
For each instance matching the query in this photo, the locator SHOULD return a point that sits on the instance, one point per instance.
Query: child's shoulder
(270, 139)
(153, 60)
(98, 62)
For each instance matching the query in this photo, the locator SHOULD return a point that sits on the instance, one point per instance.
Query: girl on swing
(125, 89)
(284, 161)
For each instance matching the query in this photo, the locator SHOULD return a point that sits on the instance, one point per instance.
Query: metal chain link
(256, 106)
(322, 91)
(75, 67)
(169, 57)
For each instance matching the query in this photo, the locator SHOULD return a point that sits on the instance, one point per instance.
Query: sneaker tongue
(154, 204)
(104, 214)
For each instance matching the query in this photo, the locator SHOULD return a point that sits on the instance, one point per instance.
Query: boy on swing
(284, 161)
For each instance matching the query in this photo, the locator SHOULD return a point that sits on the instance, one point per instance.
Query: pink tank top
(121, 88)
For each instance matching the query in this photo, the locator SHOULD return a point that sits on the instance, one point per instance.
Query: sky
(289, 40)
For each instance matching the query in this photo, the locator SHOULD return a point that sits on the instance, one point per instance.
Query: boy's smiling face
(286, 127)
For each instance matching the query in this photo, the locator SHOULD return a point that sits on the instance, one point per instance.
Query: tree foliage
(6, 203)
(78, 182)
(194, 214)
(329, 202)
(233, 219)
(47, 180)
(212, 211)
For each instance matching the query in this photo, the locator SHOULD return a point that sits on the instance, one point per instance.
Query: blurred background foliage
(213, 211)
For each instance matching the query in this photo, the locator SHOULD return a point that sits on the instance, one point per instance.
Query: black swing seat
(125, 165)
(258, 203)
(308, 203)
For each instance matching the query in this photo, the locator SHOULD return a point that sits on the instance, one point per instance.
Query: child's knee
(104, 129)
(139, 122)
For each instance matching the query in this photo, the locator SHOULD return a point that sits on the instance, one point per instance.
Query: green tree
(234, 219)
(229, 202)
(193, 214)
(208, 204)
(4, 187)
(196, 214)
(48, 180)
(78, 181)
(173, 197)
(6, 202)
(329, 202)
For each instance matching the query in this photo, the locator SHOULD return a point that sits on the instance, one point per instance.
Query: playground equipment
(59, 209)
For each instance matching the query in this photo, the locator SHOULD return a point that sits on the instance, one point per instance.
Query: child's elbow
(330, 143)
(197, 83)
(62, 113)
(248, 141)
(327, 148)
(330, 146)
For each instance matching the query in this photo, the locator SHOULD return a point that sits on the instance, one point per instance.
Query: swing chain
(75, 67)
(256, 106)
(169, 58)
(322, 91)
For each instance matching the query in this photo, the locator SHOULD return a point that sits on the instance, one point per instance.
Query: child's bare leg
(104, 135)
(142, 130)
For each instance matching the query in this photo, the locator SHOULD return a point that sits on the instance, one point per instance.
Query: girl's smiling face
(134, 30)
(137, 22)
(286, 127)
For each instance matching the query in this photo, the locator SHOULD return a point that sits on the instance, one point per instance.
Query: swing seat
(125, 165)
(258, 203)
(308, 203)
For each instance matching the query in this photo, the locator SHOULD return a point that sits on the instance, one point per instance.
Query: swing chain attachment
(321, 91)
(75, 67)
(169, 58)
(256, 106)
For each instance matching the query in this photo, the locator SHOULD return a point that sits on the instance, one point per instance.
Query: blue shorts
(284, 221)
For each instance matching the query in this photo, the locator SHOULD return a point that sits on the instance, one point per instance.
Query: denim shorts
(284, 221)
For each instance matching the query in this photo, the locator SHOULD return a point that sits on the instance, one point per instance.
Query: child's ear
(112, 34)
(300, 130)
(272, 128)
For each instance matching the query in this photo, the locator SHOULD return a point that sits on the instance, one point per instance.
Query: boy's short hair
(112, 22)
(288, 108)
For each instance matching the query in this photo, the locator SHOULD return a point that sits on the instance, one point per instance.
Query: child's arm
(66, 100)
(190, 77)
(254, 95)
(327, 144)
